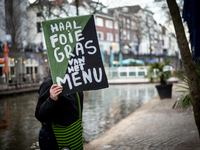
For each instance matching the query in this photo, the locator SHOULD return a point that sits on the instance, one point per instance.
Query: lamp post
(151, 49)
(111, 54)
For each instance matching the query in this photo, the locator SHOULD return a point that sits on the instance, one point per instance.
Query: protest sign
(74, 54)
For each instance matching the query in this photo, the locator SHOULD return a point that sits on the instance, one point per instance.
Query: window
(39, 27)
(100, 35)
(121, 35)
(124, 22)
(116, 37)
(128, 35)
(104, 10)
(12, 70)
(134, 37)
(101, 47)
(160, 37)
(109, 24)
(109, 37)
(125, 9)
(99, 22)
(133, 25)
(155, 35)
(116, 25)
(124, 34)
(39, 14)
(128, 23)
(29, 70)
(36, 69)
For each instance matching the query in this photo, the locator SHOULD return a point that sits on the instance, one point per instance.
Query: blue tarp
(131, 60)
(150, 60)
(191, 14)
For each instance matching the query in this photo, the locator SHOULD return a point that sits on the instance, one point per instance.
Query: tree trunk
(77, 5)
(187, 60)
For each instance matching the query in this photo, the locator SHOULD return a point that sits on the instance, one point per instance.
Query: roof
(128, 9)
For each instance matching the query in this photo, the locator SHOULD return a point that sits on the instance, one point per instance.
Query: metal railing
(133, 72)
(126, 72)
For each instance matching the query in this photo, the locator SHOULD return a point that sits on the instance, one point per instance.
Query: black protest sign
(74, 54)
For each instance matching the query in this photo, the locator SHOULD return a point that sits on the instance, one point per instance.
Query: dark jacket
(64, 111)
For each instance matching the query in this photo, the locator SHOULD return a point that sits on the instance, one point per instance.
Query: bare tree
(15, 20)
(51, 9)
(58, 8)
(139, 33)
(149, 32)
(97, 7)
(165, 10)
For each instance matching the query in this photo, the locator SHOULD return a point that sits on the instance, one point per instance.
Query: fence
(122, 72)
(135, 72)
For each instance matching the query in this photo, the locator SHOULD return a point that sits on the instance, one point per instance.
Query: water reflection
(18, 128)
(102, 109)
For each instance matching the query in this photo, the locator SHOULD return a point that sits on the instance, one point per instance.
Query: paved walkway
(155, 126)
(5, 91)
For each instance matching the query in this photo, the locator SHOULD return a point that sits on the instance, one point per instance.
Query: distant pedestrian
(60, 117)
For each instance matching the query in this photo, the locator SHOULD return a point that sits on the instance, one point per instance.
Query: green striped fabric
(70, 136)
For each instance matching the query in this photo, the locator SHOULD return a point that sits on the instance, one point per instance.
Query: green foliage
(179, 73)
(185, 101)
(135, 64)
(156, 72)
(132, 63)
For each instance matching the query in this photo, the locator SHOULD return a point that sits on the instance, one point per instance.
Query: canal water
(102, 110)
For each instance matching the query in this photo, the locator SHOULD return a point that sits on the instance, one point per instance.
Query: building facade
(130, 30)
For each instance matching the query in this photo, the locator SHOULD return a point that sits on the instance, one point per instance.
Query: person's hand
(55, 90)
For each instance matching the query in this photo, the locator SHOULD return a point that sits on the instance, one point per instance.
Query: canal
(102, 110)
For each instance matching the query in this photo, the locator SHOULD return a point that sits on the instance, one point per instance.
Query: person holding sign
(60, 116)
(76, 65)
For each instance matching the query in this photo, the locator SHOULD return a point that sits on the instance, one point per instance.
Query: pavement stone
(154, 126)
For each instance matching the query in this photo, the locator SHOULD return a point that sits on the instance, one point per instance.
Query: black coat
(64, 111)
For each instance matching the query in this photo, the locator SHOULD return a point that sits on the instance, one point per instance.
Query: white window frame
(133, 25)
(116, 37)
(109, 24)
(109, 37)
(124, 34)
(99, 22)
(101, 37)
(116, 25)
(128, 23)
(128, 35)
(124, 22)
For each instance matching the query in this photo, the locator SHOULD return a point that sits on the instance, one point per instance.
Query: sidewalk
(136, 80)
(5, 91)
(154, 126)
